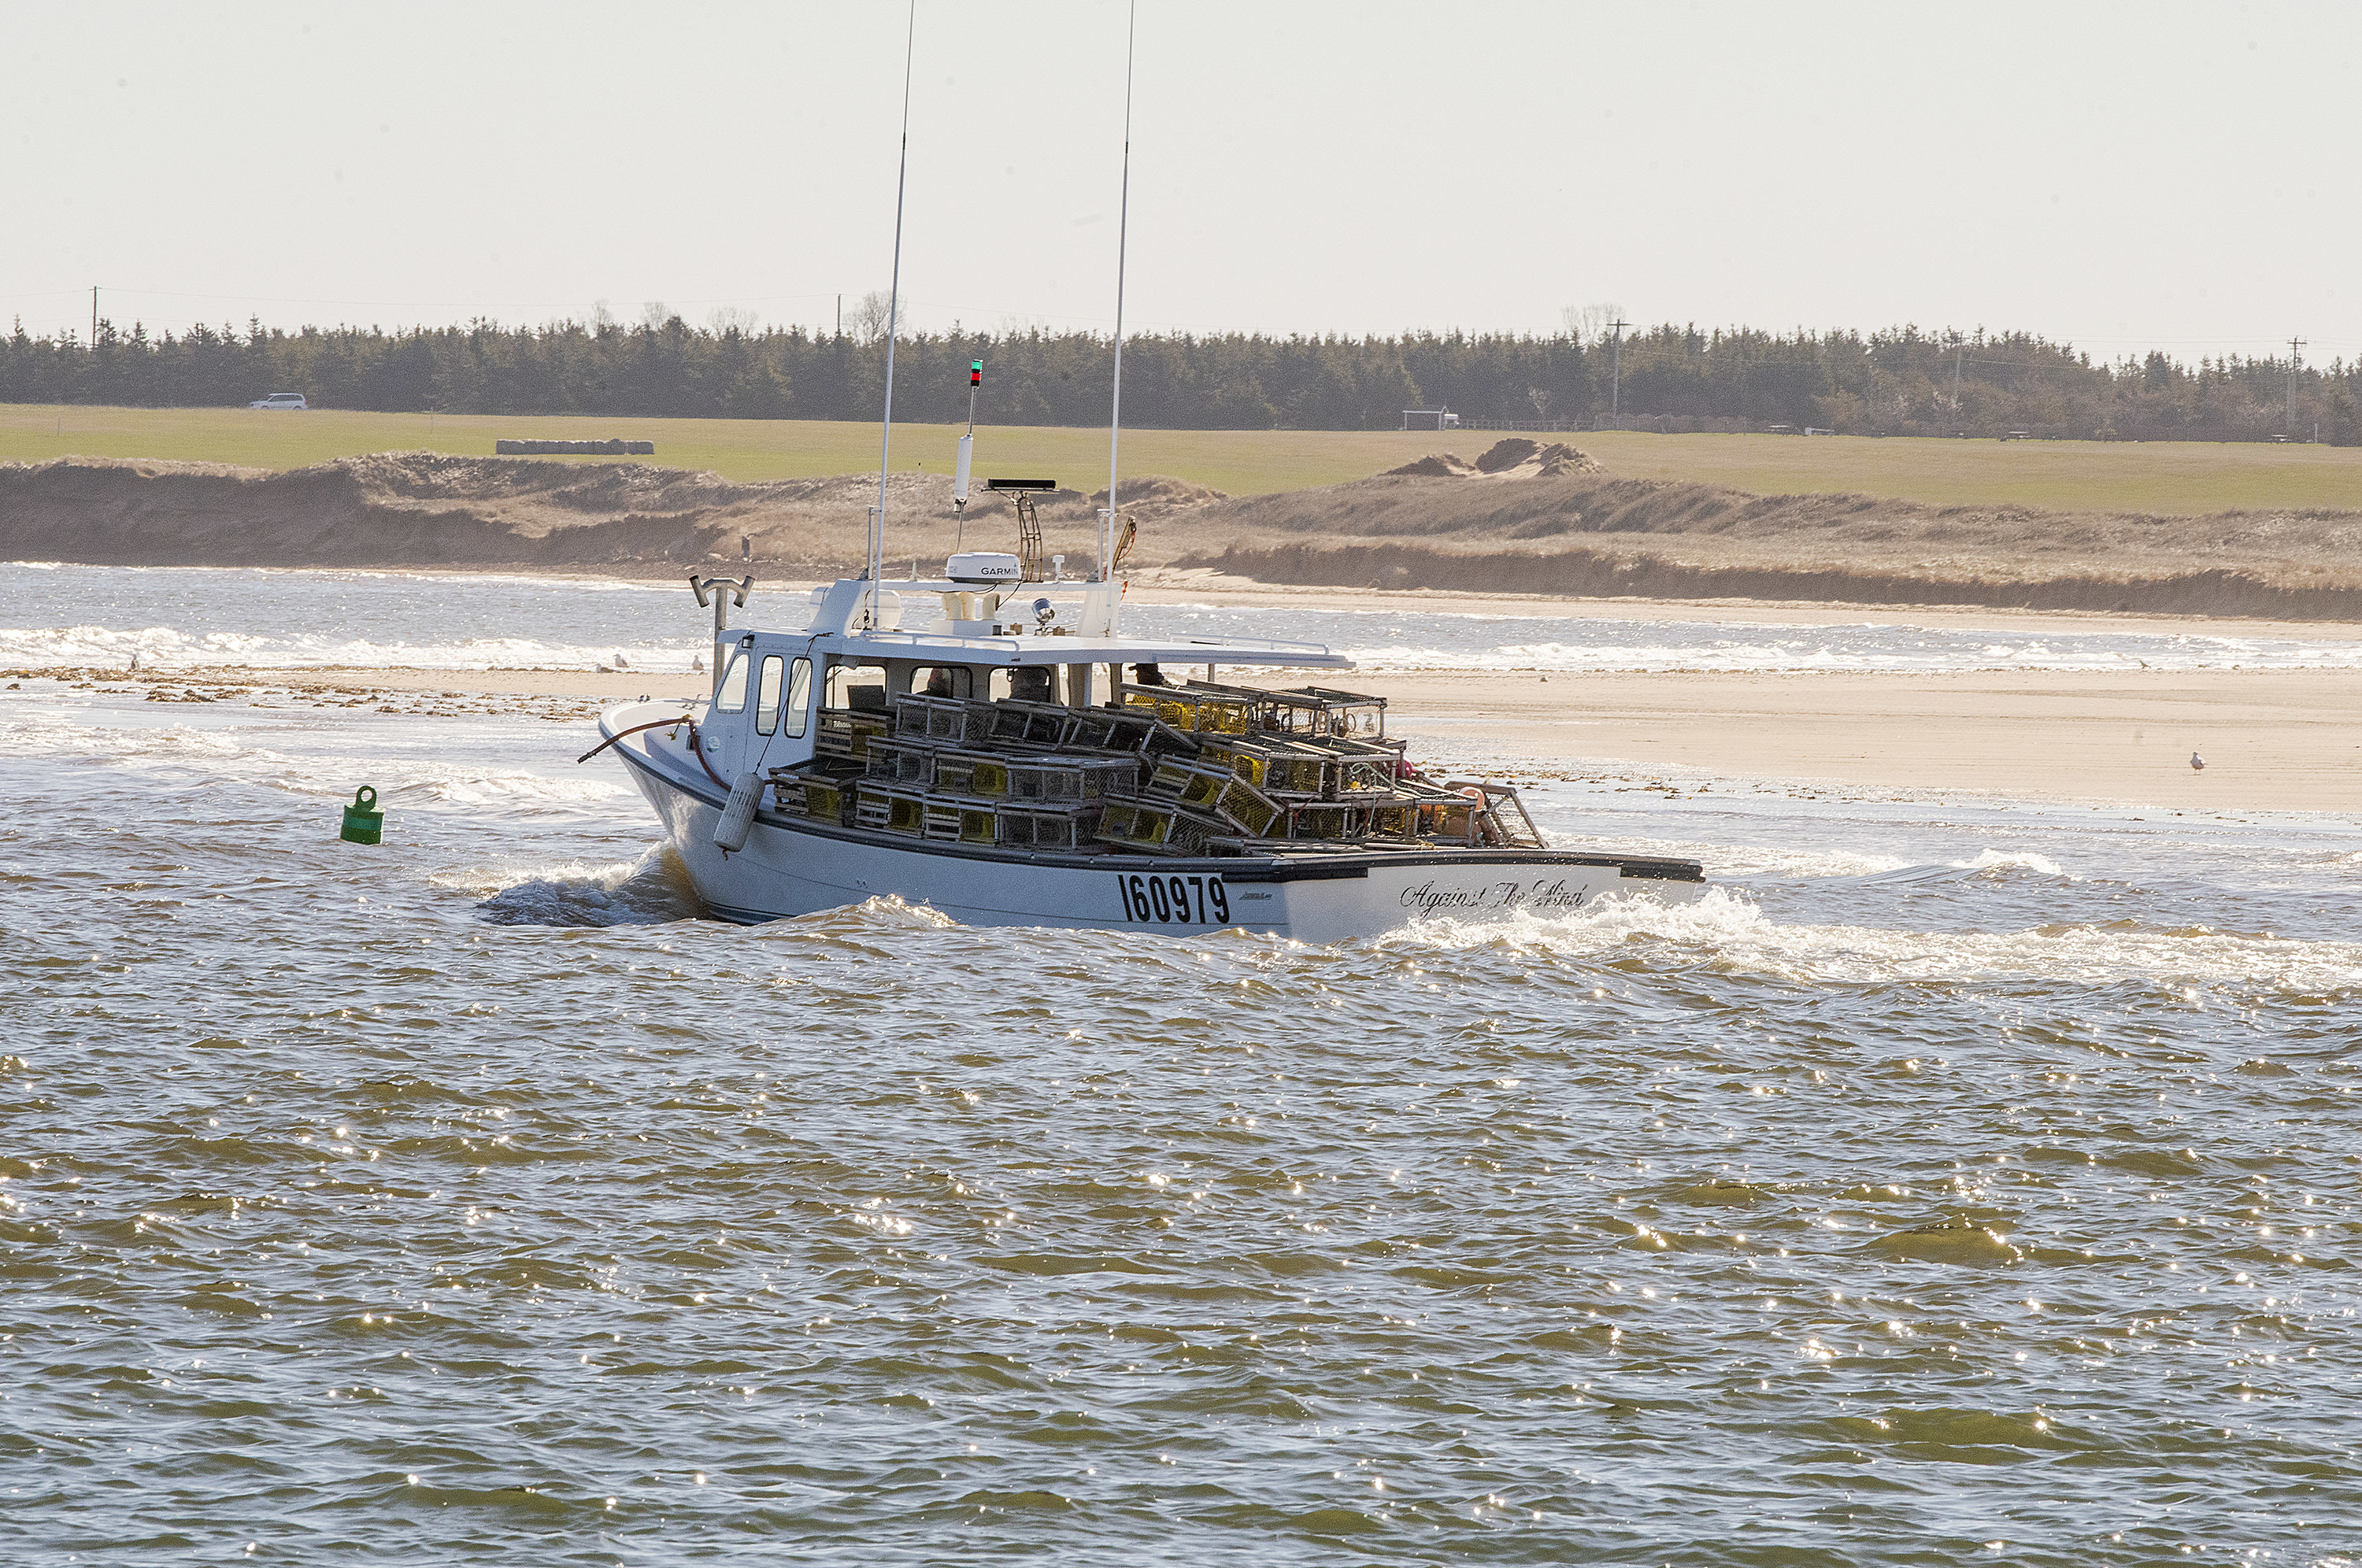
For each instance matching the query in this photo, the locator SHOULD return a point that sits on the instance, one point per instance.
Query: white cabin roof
(1083, 632)
(937, 648)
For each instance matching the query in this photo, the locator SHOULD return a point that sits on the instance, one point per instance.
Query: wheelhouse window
(732, 698)
(766, 695)
(799, 697)
(1026, 683)
(943, 680)
(859, 687)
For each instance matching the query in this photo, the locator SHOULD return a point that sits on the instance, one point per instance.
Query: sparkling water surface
(1963, 1180)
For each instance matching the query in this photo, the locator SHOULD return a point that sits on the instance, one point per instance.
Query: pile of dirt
(1435, 465)
(1515, 456)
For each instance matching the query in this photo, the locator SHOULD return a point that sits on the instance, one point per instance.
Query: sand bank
(1200, 586)
(1543, 522)
(2273, 740)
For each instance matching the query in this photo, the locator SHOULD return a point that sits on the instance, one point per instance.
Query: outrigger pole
(1123, 236)
(893, 303)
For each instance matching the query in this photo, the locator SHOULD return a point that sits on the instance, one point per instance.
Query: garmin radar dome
(984, 568)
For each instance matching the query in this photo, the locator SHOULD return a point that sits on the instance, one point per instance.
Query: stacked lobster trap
(1193, 770)
(1308, 765)
(1010, 774)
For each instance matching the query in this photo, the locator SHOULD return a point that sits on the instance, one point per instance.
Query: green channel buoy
(363, 822)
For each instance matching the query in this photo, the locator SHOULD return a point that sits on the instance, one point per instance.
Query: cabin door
(762, 716)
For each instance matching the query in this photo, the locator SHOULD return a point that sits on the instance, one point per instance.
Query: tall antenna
(893, 302)
(1122, 237)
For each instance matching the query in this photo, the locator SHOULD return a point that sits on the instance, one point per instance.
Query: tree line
(1903, 381)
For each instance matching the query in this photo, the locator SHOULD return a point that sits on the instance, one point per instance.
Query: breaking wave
(651, 890)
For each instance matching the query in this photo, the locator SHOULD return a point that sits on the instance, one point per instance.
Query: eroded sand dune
(1522, 517)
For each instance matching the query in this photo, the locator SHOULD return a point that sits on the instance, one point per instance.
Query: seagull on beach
(2196, 763)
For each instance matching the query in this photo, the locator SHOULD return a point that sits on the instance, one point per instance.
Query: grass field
(2164, 476)
(2178, 478)
(1241, 462)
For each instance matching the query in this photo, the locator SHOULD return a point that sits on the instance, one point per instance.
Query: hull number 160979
(1174, 899)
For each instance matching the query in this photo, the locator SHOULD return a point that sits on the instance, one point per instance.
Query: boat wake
(651, 890)
(1728, 932)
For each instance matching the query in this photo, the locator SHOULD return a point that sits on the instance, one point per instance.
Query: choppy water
(1960, 1183)
(72, 616)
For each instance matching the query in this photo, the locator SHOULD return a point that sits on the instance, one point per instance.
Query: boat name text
(1491, 898)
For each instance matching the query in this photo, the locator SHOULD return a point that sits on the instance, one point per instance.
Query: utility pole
(2295, 344)
(840, 315)
(1960, 346)
(94, 318)
(1616, 375)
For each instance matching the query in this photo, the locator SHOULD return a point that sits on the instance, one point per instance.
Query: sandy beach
(1200, 586)
(2273, 740)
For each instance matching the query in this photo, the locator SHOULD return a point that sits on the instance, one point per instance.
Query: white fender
(738, 816)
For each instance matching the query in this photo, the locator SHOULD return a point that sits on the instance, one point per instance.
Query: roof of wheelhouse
(938, 647)
(833, 628)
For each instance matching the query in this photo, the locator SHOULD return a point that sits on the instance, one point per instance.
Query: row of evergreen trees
(1902, 381)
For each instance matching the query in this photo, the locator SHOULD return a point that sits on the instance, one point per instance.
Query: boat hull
(790, 866)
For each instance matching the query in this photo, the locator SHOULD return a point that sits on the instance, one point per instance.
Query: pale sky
(2119, 175)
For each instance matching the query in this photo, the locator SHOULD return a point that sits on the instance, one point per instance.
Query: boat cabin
(772, 688)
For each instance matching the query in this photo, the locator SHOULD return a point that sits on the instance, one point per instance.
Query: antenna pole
(1122, 239)
(893, 303)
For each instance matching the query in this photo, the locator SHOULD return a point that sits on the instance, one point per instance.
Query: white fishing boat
(1016, 759)
(1011, 774)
